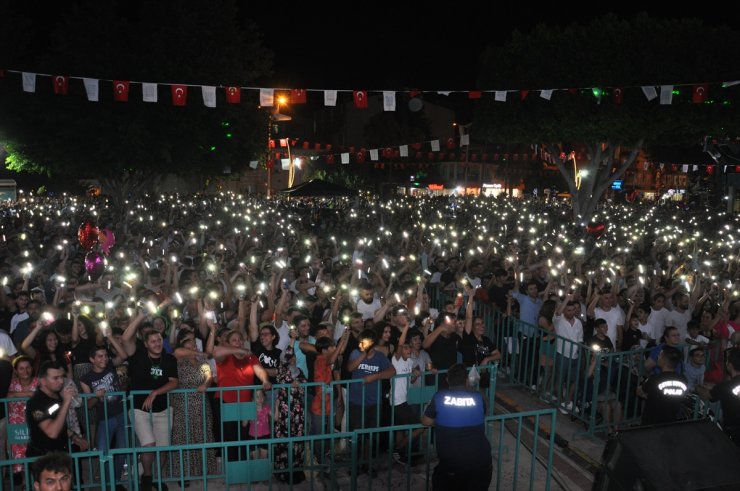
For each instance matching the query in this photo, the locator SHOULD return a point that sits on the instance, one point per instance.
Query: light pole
(274, 117)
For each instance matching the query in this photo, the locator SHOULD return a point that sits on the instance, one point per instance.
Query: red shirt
(233, 372)
(321, 373)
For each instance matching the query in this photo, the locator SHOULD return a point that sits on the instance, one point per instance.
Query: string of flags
(121, 91)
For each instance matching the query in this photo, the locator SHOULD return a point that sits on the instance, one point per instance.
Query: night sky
(369, 47)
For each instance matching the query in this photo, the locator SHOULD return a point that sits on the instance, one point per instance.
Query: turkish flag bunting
(306, 145)
(233, 95)
(270, 163)
(179, 95)
(475, 94)
(120, 90)
(61, 84)
(283, 142)
(330, 159)
(317, 146)
(361, 156)
(271, 144)
(328, 146)
(451, 143)
(416, 146)
(523, 94)
(618, 95)
(297, 96)
(360, 97)
(699, 93)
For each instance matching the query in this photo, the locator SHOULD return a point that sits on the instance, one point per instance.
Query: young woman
(23, 386)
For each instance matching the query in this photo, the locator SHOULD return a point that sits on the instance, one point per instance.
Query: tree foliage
(190, 42)
(591, 60)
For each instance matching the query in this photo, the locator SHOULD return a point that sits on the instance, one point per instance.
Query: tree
(592, 61)
(127, 144)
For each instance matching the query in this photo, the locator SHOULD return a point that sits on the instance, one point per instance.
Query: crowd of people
(229, 291)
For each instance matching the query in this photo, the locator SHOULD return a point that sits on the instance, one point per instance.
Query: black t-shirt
(666, 393)
(147, 373)
(630, 338)
(603, 374)
(108, 380)
(728, 393)
(474, 352)
(443, 351)
(497, 295)
(352, 344)
(39, 408)
(268, 358)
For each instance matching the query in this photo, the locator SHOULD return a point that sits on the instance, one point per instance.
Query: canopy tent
(317, 187)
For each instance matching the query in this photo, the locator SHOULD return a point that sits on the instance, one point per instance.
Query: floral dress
(289, 420)
(17, 415)
(191, 416)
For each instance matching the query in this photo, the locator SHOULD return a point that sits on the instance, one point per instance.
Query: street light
(275, 117)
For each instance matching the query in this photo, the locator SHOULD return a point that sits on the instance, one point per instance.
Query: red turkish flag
(361, 156)
(328, 146)
(271, 144)
(120, 90)
(179, 95)
(416, 146)
(475, 94)
(317, 146)
(710, 170)
(699, 93)
(297, 96)
(61, 84)
(330, 159)
(270, 163)
(233, 95)
(360, 97)
(306, 145)
(618, 95)
(451, 143)
(523, 94)
(387, 152)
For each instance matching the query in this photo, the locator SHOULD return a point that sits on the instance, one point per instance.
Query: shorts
(404, 415)
(152, 428)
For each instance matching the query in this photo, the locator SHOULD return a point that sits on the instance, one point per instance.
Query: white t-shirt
(6, 344)
(401, 382)
(680, 320)
(649, 330)
(659, 319)
(368, 309)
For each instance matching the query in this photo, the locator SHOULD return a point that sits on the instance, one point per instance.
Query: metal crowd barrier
(522, 453)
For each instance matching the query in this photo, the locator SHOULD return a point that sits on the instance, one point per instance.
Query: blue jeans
(107, 428)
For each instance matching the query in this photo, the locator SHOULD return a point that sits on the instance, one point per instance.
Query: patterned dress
(17, 415)
(189, 426)
(289, 421)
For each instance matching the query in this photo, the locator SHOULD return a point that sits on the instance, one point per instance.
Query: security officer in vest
(458, 414)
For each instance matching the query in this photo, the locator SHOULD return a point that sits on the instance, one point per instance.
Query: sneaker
(562, 408)
(400, 459)
(533, 388)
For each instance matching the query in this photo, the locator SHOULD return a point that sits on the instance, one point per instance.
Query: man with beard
(25, 326)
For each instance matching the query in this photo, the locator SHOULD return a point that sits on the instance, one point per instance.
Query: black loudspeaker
(691, 455)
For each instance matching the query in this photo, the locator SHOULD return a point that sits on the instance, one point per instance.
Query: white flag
(650, 92)
(546, 94)
(499, 96)
(266, 97)
(209, 96)
(373, 154)
(253, 164)
(389, 100)
(435, 145)
(149, 92)
(403, 150)
(464, 140)
(696, 168)
(330, 97)
(645, 165)
(345, 158)
(666, 94)
(443, 92)
(285, 164)
(91, 87)
(29, 82)
(684, 168)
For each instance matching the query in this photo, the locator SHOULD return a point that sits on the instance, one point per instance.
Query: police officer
(666, 391)
(458, 413)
